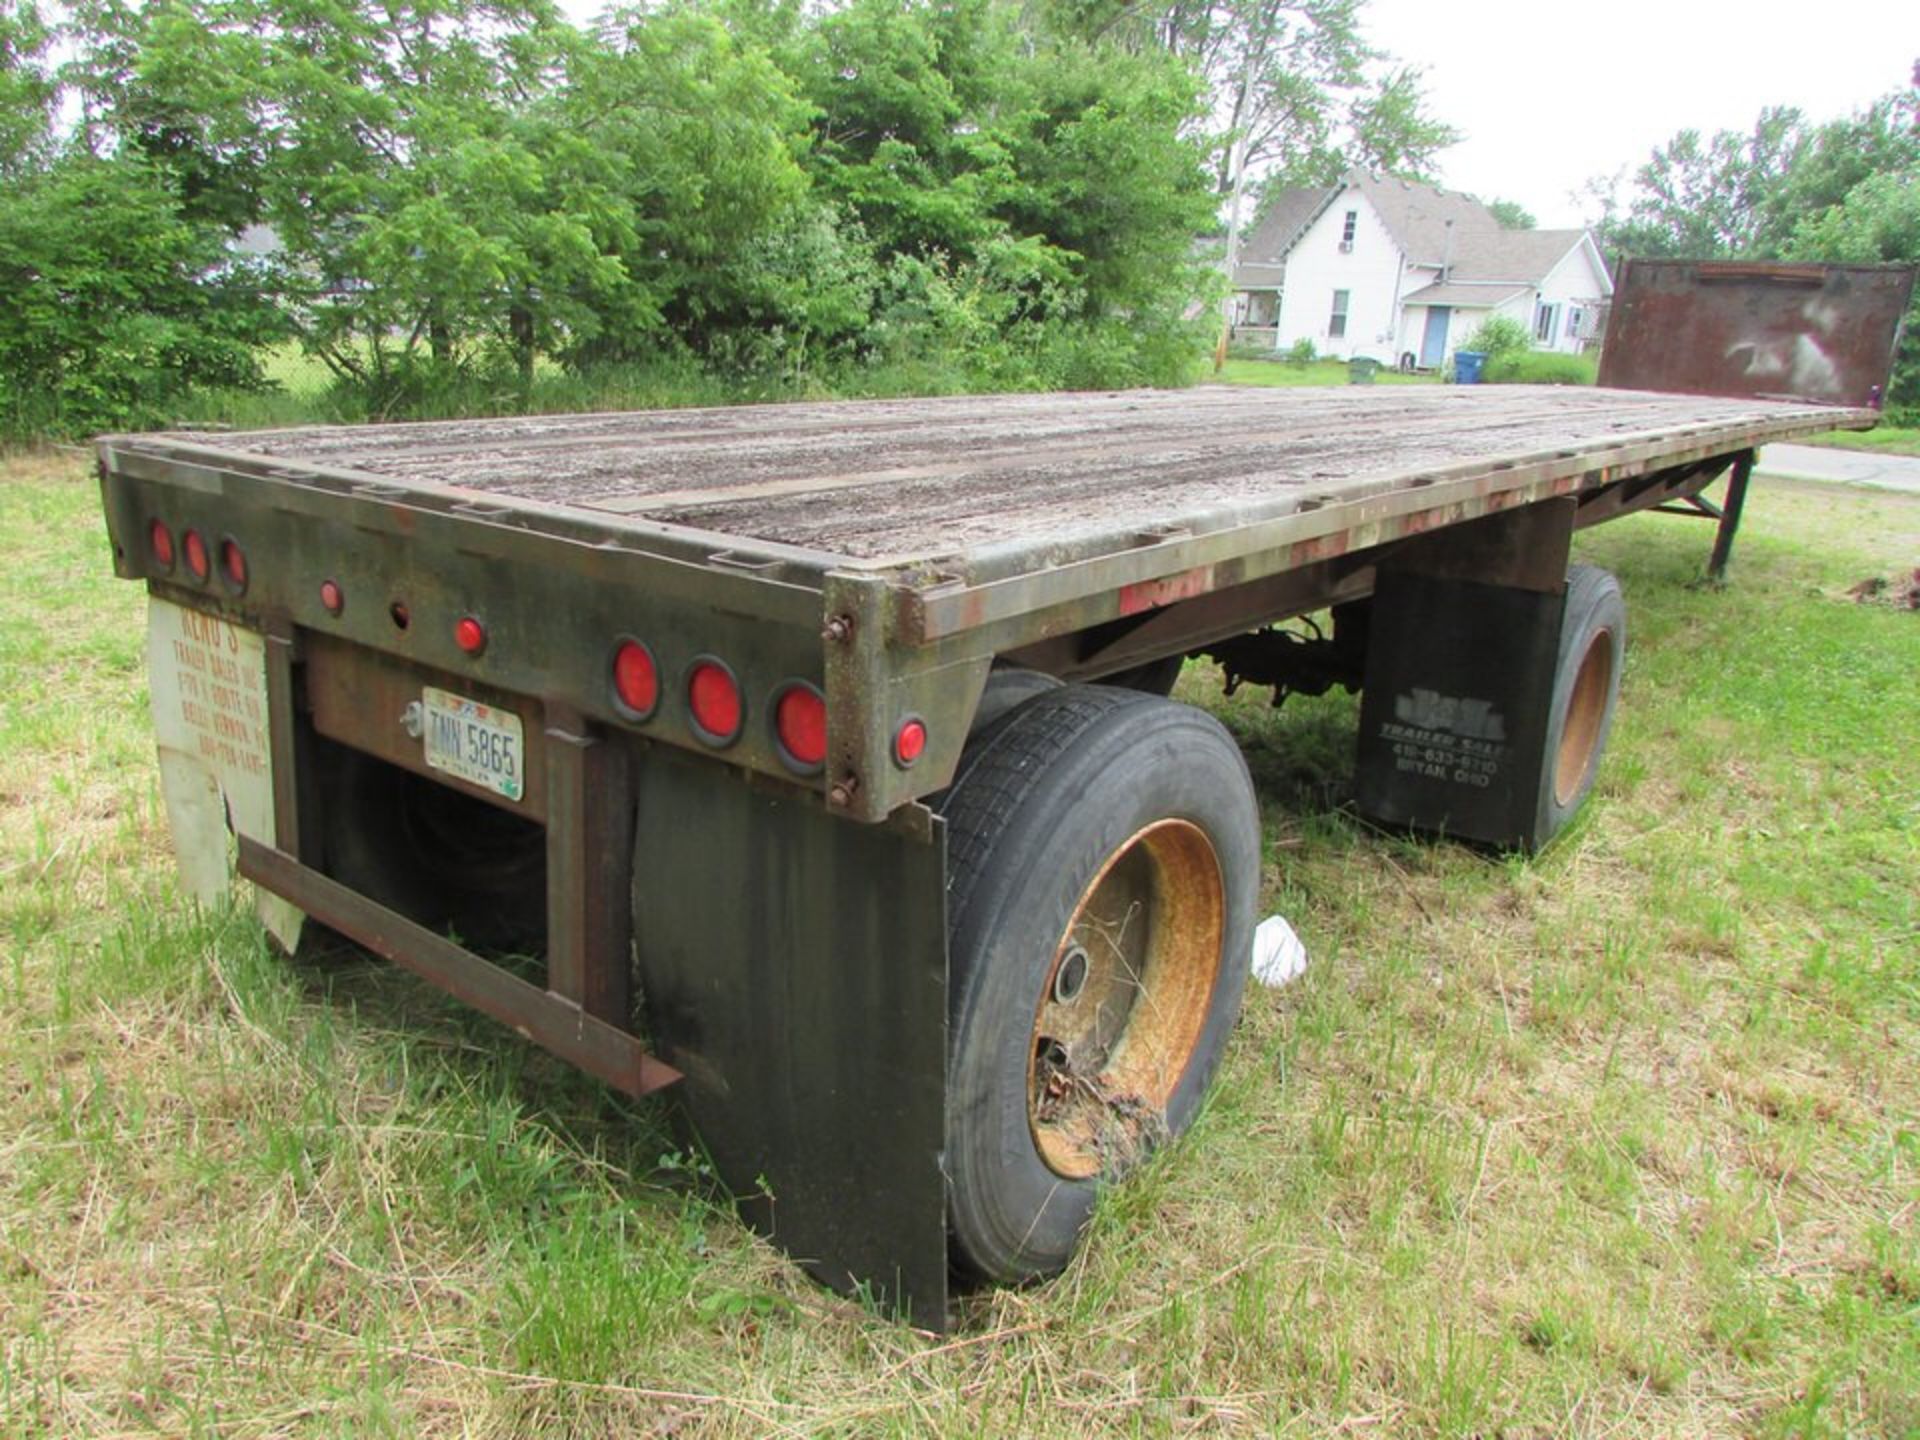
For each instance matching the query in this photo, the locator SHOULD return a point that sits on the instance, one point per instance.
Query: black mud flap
(794, 967)
(1454, 716)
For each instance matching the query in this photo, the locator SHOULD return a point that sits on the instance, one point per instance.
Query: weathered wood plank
(941, 476)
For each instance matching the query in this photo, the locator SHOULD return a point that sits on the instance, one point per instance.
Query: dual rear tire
(1104, 861)
(1103, 872)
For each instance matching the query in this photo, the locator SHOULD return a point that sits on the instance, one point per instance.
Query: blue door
(1433, 346)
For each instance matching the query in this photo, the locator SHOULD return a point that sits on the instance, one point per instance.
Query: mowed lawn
(1624, 1140)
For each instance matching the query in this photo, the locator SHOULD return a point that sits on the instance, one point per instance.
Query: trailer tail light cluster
(636, 680)
(233, 565)
(716, 708)
(195, 549)
(909, 742)
(203, 561)
(470, 635)
(714, 700)
(800, 725)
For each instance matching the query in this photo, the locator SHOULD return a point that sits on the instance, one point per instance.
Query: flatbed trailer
(768, 730)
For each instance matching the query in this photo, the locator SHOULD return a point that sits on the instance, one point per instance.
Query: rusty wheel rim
(1125, 1001)
(1586, 709)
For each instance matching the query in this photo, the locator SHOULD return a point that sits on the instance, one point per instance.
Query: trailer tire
(1104, 861)
(1586, 688)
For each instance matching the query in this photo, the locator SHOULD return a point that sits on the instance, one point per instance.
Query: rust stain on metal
(1320, 547)
(1152, 594)
(1421, 521)
(1823, 333)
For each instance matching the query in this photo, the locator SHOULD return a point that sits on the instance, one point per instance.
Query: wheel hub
(1586, 712)
(1125, 1001)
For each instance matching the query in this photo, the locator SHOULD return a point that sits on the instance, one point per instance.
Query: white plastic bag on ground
(1278, 955)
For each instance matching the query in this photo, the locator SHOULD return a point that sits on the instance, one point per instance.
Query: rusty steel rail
(542, 1016)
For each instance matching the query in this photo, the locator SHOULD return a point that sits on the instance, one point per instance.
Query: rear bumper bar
(538, 1015)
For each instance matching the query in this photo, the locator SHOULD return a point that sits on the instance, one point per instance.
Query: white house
(1405, 273)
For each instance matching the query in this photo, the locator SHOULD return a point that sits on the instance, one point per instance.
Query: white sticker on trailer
(208, 679)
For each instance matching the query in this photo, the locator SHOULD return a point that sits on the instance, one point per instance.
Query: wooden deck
(900, 479)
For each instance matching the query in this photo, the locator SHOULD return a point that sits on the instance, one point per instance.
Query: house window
(1337, 325)
(1545, 320)
(1347, 230)
(1576, 322)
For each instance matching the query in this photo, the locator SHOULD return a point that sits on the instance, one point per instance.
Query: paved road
(1850, 467)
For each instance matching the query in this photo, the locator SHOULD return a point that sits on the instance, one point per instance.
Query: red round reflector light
(470, 635)
(910, 742)
(800, 722)
(636, 679)
(714, 697)
(233, 564)
(332, 598)
(160, 541)
(196, 552)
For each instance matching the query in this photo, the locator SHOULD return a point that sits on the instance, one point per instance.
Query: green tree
(1512, 215)
(900, 92)
(118, 304)
(1706, 196)
(179, 83)
(690, 139)
(1027, 193)
(27, 91)
(404, 184)
(1392, 131)
(1877, 221)
(1883, 139)
(1843, 191)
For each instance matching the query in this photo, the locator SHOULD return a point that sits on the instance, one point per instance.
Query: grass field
(1624, 1140)
(1886, 439)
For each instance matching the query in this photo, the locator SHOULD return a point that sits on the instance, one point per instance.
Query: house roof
(1510, 255)
(1417, 216)
(1260, 266)
(1468, 294)
(1430, 225)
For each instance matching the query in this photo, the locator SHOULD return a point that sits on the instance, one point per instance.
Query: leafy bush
(117, 307)
(1302, 353)
(1539, 367)
(1499, 335)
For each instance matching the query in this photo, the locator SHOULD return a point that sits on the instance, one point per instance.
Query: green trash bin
(1361, 370)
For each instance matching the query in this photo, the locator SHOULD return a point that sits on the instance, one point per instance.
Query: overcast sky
(1550, 96)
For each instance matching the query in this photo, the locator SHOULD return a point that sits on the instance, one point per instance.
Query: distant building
(1405, 273)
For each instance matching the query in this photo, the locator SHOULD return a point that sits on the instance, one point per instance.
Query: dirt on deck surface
(926, 477)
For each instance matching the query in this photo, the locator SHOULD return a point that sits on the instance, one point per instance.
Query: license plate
(480, 744)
